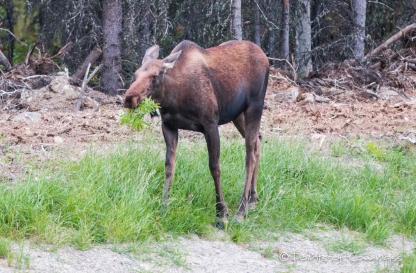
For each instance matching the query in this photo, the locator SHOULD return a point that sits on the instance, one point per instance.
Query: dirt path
(289, 253)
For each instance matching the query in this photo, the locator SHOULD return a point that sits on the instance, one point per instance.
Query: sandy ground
(43, 120)
(308, 252)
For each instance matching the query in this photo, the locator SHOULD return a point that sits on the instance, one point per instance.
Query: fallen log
(391, 40)
(407, 60)
(92, 58)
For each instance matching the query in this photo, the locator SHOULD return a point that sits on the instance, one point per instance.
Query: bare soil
(307, 110)
(289, 109)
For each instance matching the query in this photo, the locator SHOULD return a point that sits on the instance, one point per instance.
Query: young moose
(199, 89)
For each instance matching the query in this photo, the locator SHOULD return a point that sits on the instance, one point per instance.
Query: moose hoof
(221, 223)
(252, 206)
(239, 218)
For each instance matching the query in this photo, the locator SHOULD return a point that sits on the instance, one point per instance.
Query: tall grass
(116, 196)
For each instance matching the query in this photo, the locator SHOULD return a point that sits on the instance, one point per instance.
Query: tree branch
(5, 62)
(84, 85)
(11, 33)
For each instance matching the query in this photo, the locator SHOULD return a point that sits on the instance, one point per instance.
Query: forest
(300, 36)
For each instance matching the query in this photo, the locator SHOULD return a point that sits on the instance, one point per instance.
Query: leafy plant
(134, 117)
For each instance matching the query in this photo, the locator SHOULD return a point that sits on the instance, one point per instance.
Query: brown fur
(206, 88)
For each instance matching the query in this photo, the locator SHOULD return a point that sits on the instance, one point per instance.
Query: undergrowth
(116, 196)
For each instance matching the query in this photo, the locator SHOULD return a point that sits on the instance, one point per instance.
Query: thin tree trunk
(236, 28)
(10, 23)
(304, 39)
(146, 37)
(358, 9)
(284, 45)
(110, 80)
(271, 47)
(316, 11)
(256, 23)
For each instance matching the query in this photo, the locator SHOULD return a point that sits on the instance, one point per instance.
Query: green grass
(116, 196)
(21, 259)
(409, 263)
(6, 250)
(351, 245)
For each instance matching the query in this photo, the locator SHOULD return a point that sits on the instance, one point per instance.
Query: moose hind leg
(252, 118)
(253, 196)
(239, 123)
(213, 144)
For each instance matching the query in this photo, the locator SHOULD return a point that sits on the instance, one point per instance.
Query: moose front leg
(171, 140)
(213, 143)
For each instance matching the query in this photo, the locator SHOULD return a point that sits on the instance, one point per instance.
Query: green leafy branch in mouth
(134, 117)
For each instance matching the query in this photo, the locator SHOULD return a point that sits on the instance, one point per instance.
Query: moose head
(148, 78)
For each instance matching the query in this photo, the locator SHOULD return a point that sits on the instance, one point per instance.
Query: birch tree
(236, 28)
(284, 45)
(303, 38)
(358, 11)
(256, 11)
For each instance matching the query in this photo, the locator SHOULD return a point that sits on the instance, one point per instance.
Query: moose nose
(130, 102)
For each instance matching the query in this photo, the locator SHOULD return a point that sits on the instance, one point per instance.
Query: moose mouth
(132, 102)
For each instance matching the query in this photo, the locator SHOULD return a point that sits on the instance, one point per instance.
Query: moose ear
(170, 60)
(151, 53)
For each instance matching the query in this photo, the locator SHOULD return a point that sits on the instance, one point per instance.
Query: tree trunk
(271, 46)
(284, 44)
(76, 79)
(256, 23)
(236, 28)
(304, 39)
(358, 9)
(9, 7)
(110, 80)
(146, 37)
(316, 12)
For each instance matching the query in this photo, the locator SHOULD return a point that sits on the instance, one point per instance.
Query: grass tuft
(6, 250)
(409, 263)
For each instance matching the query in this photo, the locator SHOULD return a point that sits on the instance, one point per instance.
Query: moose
(199, 89)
